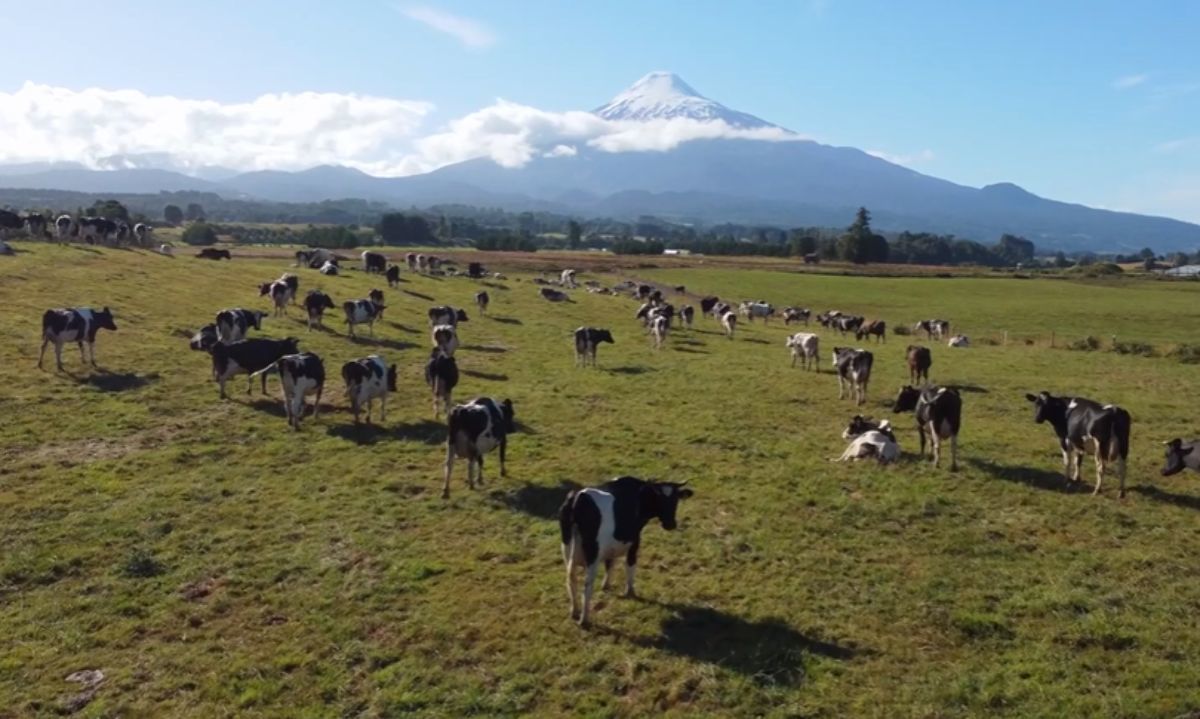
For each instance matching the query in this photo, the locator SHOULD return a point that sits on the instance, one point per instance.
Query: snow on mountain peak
(664, 95)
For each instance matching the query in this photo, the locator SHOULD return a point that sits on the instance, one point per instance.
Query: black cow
(9, 222)
(1180, 456)
(441, 374)
(232, 324)
(96, 228)
(248, 357)
(1079, 423)
(602, 524)
(373, 261)
(919, 361)
(482, 300)
(686, 314)
(393, 276)
(708, 304)
(301, 375)
(812, 259)
(376, 296)
(204, 339)
(212, 253)
(315, 304)
(476, 271)
(554, 295)
(939, 413)
(586, 341)
(36, 223)
(76, 324)
(446, 315)
(854, 370)
(476, 428)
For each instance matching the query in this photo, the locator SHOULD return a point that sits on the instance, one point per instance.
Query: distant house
(680, 253)
(1183, 271)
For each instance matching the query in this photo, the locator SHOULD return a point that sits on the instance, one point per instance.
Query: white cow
(805, 347)
(568, 279)
(729, 322)
(959, 341)
(659, 327)
(445, 338)
(872, 445)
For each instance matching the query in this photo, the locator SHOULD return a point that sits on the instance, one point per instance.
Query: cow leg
(92, 351)
(42, 353)
(449, 467)
(794, 360)
(630, 566)
(478, 471)
(921, 435)
(841, 388)
(503, 448)
(382, 409)
(935, 442)
(589, 583)
(1099, 469)
(317, 403)
(569, 553)
(82, 353)
(608, 572)
(1121, 476)
(58, 348)
(954, 453)
(1067, 464)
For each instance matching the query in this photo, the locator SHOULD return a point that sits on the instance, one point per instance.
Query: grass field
(213, 563)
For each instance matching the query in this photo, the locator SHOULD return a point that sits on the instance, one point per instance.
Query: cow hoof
(629, 594)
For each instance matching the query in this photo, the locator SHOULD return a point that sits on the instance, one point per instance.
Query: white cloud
(562, 151)
(1126, 82)
(469, 32)
(916, 158)
(277, 131)
(1173, 146)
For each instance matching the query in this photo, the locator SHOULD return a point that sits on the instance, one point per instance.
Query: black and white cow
(64, 227)
(859, 425)
(204, 339)
(212, 253)
(643, 292)
(280, 292)
(446, 315)
(805, 347)
(141, 233)
(660, 327)
(934, 329)
(847, 323)
(476, 428)
(919, 361)
(301, 375)
(796, 314)
(552, 295)
(686, 315)
(707, 304)
(441, 374)
(247, 357)
(315, 304)
(367, 379)
(330, 268)
(9, 222)
(1082, 424)
(76, 324)
(854, 371)
(605, 523)
(481, 301)
(869, 440)
(422, 263)
(567, 279)
(750, 310)
(374, 262)
(123, 232)
(939, 414)
(314, 258)
(1181, 455)
(445, 338)
(729, 322)
(393, 276)
(232, 324)
(411, 260)
(97, 229)
(587, 339)
(361, 312)
(35, 223)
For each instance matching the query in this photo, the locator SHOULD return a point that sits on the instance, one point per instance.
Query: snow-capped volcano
(664, 96)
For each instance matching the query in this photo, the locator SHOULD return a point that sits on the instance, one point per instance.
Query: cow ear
(1186, 452)
(685, 493)
(1030, 397)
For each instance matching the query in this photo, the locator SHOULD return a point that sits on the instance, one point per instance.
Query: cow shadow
(403, 328)
(967, 388)
(418, 295)
(756, 340)
(522, 428)
(505, 320)
(630, 369)
(495, 285)
(1179, 500)
(485, 375)
(427, 431)
(379, 342)
(106, 381)
(267, 406)
(534, 499)
(690, 350)
(1031, 476)
(486, 349)
(769, 652)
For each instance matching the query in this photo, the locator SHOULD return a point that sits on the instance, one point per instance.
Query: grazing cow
(280, 295)
(411, 260)
(422, 263)
(249, 356)
(920, 359)
(75, 324)
(123, 232)
(829, 318)
(359, 312)
(476, 428)
(878, 328)
(659, 327)
(301, 375)
(729, 322)
(366, 379)
(568, 279)
(315, 304)
(9, 222)
(481, 301)
(934, 329)
(444, 338)
(859, 424)
(204, 339)
(376, 296)
(686, 315)
(212, 253)
(854, 371)
(805, 347)
(232, 324)
(141, 233)
(587, 339)
(373, 262)
(939, 413)
(393, 276)
(796, 314)
(553, 295)
(707, 306)
(441, 374)
(812, 258)
(750, 310)
(446, 315)
(35, 222)
(97, 229)
(1081, 424)
(847, 323)
(64, 227)
(603, 524)
(959, 341)
(1180, 456)
(330, 268)
(680, 289)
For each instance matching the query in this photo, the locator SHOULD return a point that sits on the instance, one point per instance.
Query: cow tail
(274, 365)
(1121, 425)
(47, 322)
(566, 517)
(453, 420)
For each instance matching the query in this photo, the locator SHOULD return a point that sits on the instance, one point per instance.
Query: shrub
(200, 233)
(902, 330)
(1141, 349)
(1187, 354)
(142, 564)
(1087, 344)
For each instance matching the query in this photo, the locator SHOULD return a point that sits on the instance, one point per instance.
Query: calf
(445, 315)
(359, 312)
(587, 339)
(854, 371)
(568, 279)
(796, 314)
(553, 295)
(1081, 424)
(248, 357)
(959, 341)
(750, 310)
(212, 253)
(315, 304)
(367, 379)
(373, 262)
(707, 305)
(279, 293)
(879, 444)
(860, 425)
(805, 346)
(659, 327)
(301, 375)
(476, 428)
(939, 413)
(1180, 456)
(232, 324)
(445, 338)
(686, 315)
(204, 339)
(729, 322)
(481, 301)
(393, 276)
(441, 374)
(605, 523)
(919, 361)
(76, 324)
(878, 328)
(934, 329)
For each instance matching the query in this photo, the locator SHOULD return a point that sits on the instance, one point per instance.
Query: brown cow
(919, 362)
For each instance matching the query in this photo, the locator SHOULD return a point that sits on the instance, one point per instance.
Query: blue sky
(1092, 102)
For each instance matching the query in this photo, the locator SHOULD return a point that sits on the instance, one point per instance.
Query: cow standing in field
(373, 262)
(686, 315)
(853, 368)
(933, 329)
(64, 227)
(248, 357)
(939, 414)
(919, 361)
(368, 379)
(446, 315)
(876, 328)
(301, 375)
(441, 374)
(1181, 455)
(707, 306)
(141, 233)
(410, 259)
(76, 324)
(587, 339)
(729, 322)
(280, 295)
(445, 338)
(422, 264)
(660, 326)
(361, 312)
(805, 347)
(476, 428)
(232, 324)
(605, 523)
(393, 275)
(568, 279)
(204, 339)
(847, 323)
(1081, 424)
(796, 314)
(481, 301)
(750, 310)
(35, 223)
(315, 304)
(212, 253)
(9, 222)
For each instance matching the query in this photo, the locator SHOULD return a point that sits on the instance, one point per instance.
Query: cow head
(1047, 408)
(104, 319)
(604, 336)
(291, 345)
(391, 378)
(664, 500)
(460, 316)
(906, 400)
(265, 289)
(376, 296)
(204, 340)
(506, 408)
(1176, 453)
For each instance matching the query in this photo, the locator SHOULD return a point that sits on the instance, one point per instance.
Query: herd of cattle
(600, 524)
(92, 230)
